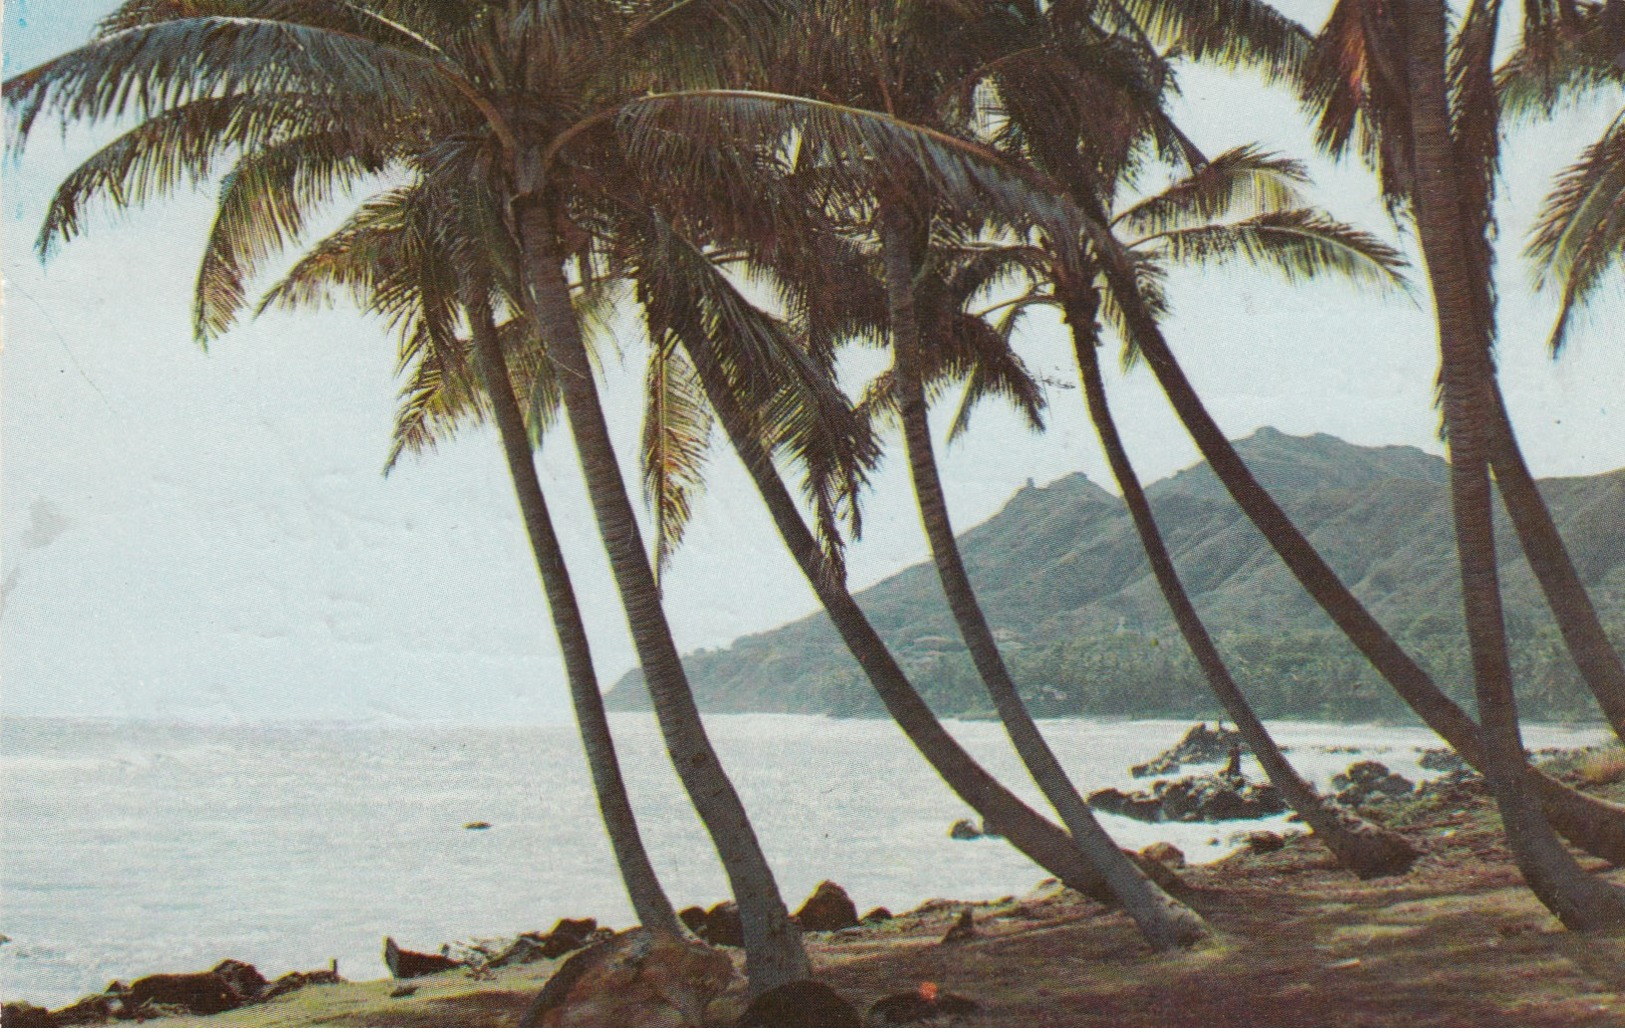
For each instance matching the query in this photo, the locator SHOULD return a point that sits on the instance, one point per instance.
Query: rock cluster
(719, 926)
(568, 935)
(227, 986)
(1446, 760)
(964, 828)
(1369, 781)
(828, 909)
(1192, 799)
(1201, 744)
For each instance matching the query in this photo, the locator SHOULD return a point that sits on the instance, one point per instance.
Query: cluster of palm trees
(762, 183)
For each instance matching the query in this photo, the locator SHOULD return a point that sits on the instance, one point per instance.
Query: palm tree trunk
(1566, 594)
(1361, 847)
(1593, 824)
(649, 900)
(1581, 901)
(1164, 921)
(1045, 844)
(773, 950)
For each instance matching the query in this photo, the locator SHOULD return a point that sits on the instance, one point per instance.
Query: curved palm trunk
(1593, 824)
(1164, 921)
(773, 950)
(1578, 899)
(1548, 557)
(1045, 844)
(1361, 847)
(642, 884)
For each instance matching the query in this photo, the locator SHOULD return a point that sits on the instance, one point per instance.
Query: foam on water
(131, 848)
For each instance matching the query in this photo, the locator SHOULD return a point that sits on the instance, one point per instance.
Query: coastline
(1457, 940)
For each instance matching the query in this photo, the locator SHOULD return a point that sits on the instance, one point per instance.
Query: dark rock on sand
(25, 1015)
(828, 909)
(925, 1004)
(800, 1004)
(1201, 744)
(410, 964)
(722, 925)
(1164, 853)
(1369, 781)
(964, 829)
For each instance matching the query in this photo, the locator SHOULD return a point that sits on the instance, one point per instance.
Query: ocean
(132, 848)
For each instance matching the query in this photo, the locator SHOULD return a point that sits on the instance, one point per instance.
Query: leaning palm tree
(1357, 85)
(1436, 142)
(690, 303)
(406, 257)
(324, 95)
(1241, 205)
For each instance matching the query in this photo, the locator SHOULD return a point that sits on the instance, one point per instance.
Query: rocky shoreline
(233, 984)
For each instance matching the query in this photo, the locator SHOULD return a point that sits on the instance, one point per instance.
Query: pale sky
(208, 537)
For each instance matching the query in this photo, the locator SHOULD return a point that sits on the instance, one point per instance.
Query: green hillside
(1061, 576)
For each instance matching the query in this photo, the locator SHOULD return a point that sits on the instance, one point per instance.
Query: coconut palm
(326, 94)
(690, 302)
(1357, 86)
(403, 257)
(1241, 205)
(1432, 129)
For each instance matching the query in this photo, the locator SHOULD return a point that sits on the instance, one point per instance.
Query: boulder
(244, 979)
(1204, 798)
(568, 934)
(828, 909)
(25, 1015)
(877, 915)
(409, 964)
(1369, 781)
(722, 925)
(1265, 841)
(1201, 744)
(800, 1004)
(964, 829)
(693, 918)
(1164, 853)
(634, 979)
(203, 993)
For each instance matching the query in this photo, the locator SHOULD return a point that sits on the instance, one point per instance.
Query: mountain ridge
(1085, 631)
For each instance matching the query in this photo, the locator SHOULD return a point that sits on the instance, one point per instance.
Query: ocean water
(131, 848)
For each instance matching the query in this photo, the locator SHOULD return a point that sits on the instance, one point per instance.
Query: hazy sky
(209, 537)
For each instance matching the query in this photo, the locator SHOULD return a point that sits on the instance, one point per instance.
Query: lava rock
(963, 829)
(877, 915)
(722, 925)
(1201, 744)
(1191, 799)
(1369, 781)
(828, 909)
(1265, 842)
(25, 1015)
(203, 993)
(1164, 853)
(800, 1004)
(693, 918)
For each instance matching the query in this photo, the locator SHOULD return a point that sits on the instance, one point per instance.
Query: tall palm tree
(1357, 85)
(514, 89)
(1244, 205)
(688, 300)
(1429, 123)
(408, 259)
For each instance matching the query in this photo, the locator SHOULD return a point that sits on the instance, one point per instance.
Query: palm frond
(1243, 180)
(1231, 33)
(263, 207)
(1299, 244)
(676, 439)
(150, 68)
(1580, 234)
(177, 147)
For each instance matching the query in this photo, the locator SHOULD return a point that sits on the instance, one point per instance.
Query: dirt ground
(1458, 941)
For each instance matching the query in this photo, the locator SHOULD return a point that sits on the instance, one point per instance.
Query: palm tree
(512, 90)
(1195, 221)
(689, 301)
(1357, 84)
(400, 257)
(908, 82)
